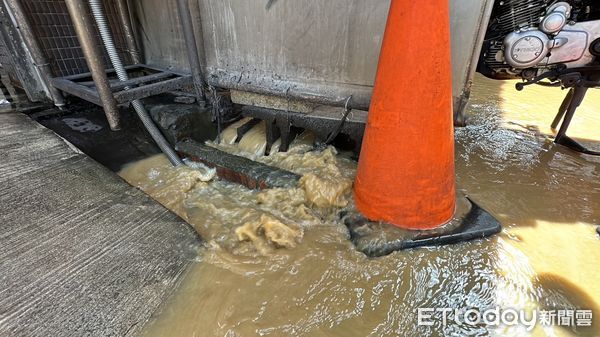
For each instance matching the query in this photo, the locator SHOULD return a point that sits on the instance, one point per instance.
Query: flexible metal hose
(163, 144)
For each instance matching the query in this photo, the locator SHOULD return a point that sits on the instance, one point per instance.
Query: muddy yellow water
(279, 262)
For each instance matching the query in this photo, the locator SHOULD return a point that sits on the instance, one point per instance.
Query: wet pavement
(278, 262)
(82, 253)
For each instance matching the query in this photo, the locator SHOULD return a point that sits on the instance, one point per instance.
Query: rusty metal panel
(308, 49)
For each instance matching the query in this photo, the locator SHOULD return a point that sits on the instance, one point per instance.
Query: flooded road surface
(279, 262)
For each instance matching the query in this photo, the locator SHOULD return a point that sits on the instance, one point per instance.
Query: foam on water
(278, 262)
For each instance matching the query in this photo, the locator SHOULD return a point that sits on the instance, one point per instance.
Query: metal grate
(51, 23)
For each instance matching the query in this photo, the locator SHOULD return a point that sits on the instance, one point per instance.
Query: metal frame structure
(86, 34)
(145, 80)
(149, 81)
(578, 81)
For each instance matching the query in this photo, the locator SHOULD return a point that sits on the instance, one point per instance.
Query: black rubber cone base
(380, 239)
(574, 145)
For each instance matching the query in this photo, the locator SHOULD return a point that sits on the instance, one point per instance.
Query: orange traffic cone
(406, 170)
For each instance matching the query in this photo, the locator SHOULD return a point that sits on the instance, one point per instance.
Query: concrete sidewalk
(82, 253)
